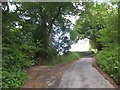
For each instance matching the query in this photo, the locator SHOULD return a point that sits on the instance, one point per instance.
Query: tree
(44, 16)
(28, 33)
(100, 23)
(92, 21)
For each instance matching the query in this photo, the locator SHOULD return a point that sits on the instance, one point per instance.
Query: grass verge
(62, 59)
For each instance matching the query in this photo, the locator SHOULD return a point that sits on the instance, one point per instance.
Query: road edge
(104, 74)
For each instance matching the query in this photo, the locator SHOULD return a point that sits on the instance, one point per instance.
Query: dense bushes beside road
(109, 61)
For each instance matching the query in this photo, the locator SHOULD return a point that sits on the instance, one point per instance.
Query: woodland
(38, 32)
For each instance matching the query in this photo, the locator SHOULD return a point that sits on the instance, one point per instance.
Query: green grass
(63, 58)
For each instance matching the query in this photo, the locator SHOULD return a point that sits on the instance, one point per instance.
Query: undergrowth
(63, 58)
(108, 60)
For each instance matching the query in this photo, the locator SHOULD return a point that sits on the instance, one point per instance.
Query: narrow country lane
(82, 74)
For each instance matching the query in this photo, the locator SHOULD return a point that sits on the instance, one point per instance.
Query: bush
(13, 79)
(63, 58)
(16, 57)
(108, 60)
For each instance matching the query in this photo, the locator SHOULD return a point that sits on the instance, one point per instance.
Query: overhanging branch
(56, 16)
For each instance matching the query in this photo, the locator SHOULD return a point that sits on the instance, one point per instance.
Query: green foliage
(74, 35)
(99, 23)
(17, 53)
(71, 56)
(27, 35)
(15, 60)
(46, 54)
(96, 17)
(108, 59)
(44, 16)
(13, 79)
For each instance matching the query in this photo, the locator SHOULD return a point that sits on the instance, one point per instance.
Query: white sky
(82, 45)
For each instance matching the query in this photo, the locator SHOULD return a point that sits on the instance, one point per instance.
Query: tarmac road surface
(81, 74)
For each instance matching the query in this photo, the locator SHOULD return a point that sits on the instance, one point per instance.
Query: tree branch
(56, 16)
